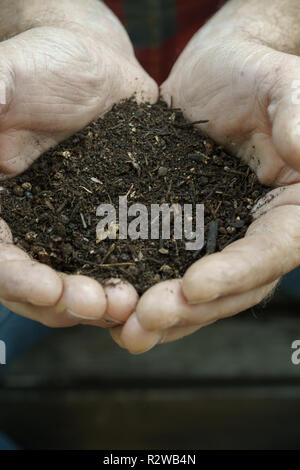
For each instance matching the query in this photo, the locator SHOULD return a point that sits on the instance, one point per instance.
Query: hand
(247, 91)
(53, 81)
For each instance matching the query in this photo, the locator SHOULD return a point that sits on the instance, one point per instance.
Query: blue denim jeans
(7, 444)
(18, 333)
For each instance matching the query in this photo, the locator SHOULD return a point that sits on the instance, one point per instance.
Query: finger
(269, 250)
(283, 196)
(83, 298)
(48, 316)
(28, 281)
(23, 280)
(89, 300)
(133, 337)
(164, 306)
(122, 299)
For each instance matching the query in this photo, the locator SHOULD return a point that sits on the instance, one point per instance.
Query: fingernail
(203, 301)
(110, 321)
(60, 308)
(119, 342)
(156, 342)
(81, 317)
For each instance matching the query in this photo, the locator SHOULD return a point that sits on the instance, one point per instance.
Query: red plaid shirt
(160, 29)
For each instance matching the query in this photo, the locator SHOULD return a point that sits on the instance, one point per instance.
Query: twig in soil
(108, 253)
(146, 160)
(182, 183)
(129, 190)
(218, 207)
(108, 195)
(117, 126)
(198, 157)
(61, 208)
(163, 132)
(208, 195)
(176, 247)
(169, 189)
(212, 237)
(84, 224)
(155, 260)
(161, 242)
(74, 210)
(115, 265)
(191, 124)
(235, 172)
(192, 189)
(87, 190)
(127, 274)
(134, 163)
(133, 253)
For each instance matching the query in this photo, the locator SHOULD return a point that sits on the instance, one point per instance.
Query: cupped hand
(251, 95)
(53, 81)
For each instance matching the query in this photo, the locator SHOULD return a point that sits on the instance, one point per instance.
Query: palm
(246, 91)
(57, 82)
(250, 109)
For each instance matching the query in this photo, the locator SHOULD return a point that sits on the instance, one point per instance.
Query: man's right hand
(55, 79)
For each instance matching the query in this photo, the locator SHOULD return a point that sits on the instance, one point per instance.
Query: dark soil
(153, 155)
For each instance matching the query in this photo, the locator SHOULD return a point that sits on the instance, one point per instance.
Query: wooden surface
(231, 385)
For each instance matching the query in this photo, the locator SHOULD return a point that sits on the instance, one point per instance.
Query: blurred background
(230, 386)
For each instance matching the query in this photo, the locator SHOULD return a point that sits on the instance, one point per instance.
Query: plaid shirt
(160, 29)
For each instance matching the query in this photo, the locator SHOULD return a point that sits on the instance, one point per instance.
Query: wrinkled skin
(53, 81)
(247, 91)
(58, 78)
